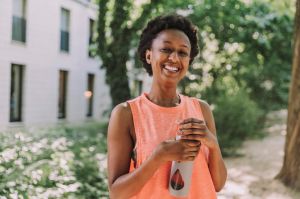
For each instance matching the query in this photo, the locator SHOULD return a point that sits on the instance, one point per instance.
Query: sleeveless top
(154, 124)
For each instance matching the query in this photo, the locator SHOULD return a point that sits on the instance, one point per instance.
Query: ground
(251, 175)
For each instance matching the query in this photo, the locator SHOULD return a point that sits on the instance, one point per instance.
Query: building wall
(43, 59)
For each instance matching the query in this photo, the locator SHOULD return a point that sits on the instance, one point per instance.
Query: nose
(174, 56)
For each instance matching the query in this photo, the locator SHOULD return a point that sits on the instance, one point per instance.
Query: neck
(164, 96)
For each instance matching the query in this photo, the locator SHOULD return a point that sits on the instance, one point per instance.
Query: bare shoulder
(122, 110)
(119, 142)
(205, 107)
(121, 118)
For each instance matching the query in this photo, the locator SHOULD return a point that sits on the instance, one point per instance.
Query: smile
(171, 68)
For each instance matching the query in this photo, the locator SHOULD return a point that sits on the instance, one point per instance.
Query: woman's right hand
(179, 150)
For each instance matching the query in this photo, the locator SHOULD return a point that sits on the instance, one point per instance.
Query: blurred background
(65, 63)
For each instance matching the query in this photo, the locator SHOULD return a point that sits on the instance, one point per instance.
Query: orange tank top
(154, 124)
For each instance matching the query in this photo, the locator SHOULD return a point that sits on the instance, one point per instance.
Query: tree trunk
(290, 171)
(114, 49)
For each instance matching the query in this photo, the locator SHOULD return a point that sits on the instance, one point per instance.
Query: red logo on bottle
(177, 182)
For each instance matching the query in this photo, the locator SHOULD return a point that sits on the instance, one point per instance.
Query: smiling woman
(169, 54)
(142, 131)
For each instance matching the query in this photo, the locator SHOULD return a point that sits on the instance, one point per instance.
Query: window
(89, 93)
(19, 21)
(16, 90)
(64, 30)
(92, 41)
(62, 98)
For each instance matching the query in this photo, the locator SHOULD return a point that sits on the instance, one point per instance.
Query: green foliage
(283, 6)
(239, 64)
(113, 48)
(89, 143)
(237, 118)
(62, 162)
(248, 42)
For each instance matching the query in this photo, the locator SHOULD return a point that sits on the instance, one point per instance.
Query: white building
(47, 73)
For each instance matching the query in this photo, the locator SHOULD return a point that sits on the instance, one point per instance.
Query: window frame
(19, 22)
(19, 95)
(92, 40)
(64, 30)
(90, 92)
(62, 94)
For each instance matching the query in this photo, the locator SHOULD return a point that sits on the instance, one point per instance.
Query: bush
(61, 162)
(237, 118)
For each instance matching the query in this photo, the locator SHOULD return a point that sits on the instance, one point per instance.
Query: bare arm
(216, 163)
(123, 184)
(205, 132)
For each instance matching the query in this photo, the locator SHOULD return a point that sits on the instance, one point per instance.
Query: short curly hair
(160, 23)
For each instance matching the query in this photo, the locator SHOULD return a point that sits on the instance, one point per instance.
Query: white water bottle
(180, 177)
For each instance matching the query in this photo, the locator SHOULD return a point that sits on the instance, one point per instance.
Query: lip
(171, 68)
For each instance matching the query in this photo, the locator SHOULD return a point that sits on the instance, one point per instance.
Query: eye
(166, 50)
(183, 54)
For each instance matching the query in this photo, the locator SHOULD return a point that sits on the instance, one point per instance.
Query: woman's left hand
(195, 129)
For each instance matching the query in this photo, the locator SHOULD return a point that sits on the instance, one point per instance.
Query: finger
(201, 132)
(192, 143)
(190, 155)
(192, 149)
(197, 137)
(192, 120)
(194, 125)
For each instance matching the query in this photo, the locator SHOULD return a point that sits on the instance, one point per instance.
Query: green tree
(246, 43)
(245, 57)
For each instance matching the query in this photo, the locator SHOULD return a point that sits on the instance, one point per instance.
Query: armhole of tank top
(197, 105)
(134, 121)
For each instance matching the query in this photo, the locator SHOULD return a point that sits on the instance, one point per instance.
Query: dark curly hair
(160, 23)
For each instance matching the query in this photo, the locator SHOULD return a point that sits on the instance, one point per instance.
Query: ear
(148, 56)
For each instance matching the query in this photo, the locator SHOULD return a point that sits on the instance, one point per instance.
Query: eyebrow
(169, 42)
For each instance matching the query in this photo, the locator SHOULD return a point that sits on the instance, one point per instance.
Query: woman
(141, 133)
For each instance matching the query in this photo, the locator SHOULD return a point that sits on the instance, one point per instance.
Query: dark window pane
(19, 29)
(64, 41)
(92, 42)
(63, 78)
(90, 94)
(16, 90)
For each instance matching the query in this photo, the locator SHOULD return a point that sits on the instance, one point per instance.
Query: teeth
(171, 68)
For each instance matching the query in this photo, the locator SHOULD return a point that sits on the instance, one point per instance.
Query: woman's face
(169, 56)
